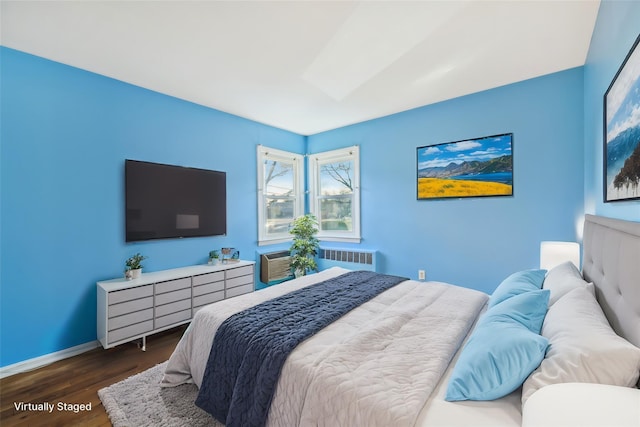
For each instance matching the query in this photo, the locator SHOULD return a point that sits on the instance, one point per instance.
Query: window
(334, 188)
(280, 193)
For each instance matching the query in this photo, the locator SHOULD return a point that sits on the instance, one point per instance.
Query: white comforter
(375, 366)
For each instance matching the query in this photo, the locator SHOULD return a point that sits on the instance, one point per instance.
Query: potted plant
(305, 245)
(133, 266)
(214, 257)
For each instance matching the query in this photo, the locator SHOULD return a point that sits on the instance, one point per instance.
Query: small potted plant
(133, 266)
(214, 257)
(305, 245)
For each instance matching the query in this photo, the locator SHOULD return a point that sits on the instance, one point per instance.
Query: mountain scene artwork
(622, 132)
(471, 168)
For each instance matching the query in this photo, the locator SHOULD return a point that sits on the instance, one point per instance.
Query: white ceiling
(307, 66)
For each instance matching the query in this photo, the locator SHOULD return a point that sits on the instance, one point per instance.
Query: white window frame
(297, 160)
(315, 161)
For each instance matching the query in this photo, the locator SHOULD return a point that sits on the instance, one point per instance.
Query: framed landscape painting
(481, 167)
(622, 131)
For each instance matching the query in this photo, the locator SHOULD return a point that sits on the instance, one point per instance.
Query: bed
(416, 354)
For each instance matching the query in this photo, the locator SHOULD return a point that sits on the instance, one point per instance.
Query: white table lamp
(554, 253)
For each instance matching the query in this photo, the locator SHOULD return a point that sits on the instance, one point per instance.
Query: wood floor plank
(76, 380)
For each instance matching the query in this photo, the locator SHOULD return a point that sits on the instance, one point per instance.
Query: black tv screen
(166, 201)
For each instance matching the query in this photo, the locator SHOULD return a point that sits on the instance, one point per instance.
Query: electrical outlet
(422, 275)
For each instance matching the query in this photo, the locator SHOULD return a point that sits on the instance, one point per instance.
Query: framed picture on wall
(622, 131)
(478, 167)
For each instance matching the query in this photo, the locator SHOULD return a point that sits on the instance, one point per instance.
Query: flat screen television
(167, 201)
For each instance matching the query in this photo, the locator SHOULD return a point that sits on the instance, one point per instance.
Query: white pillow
(582, 347)
(564, 278)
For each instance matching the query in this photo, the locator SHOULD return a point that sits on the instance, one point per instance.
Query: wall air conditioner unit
(275, 267)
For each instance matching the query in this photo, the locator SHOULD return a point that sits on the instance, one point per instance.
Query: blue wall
(472, 242)
(65, 135)
(615, 31)
(66, 132)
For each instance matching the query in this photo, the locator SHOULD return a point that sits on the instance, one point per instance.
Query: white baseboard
(40, 361)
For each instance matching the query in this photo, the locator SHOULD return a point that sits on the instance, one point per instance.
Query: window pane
(336, 178)
(278, 178)
(335, 214)
(280, 213)
(334, 193)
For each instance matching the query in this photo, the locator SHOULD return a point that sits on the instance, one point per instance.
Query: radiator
(275, 267)
(351, 259)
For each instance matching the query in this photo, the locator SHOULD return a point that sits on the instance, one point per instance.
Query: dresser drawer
(130, 331)
(163, 310)
(240, 271)
(168, 297)
(239, 281)
(180, 316)
(116, 297)
(239, 290)
(208, 288)
(208, 278)
(130, 319)
(208, 298)
(173, 285)
(130, 306)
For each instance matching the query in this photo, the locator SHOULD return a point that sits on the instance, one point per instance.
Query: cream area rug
(140, 401)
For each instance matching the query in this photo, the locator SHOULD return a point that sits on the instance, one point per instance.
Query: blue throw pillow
(517, 283)
(528, 309)
(502, 351)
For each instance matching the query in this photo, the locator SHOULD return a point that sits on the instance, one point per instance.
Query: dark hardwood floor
(76, 380)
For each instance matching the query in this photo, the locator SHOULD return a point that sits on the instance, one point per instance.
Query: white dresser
(132, 309)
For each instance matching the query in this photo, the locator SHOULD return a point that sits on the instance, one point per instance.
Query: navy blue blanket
(250, 347)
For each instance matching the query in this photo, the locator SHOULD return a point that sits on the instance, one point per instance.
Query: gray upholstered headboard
(611, 260)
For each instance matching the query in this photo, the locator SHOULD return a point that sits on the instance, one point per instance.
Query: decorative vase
(135, 274)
